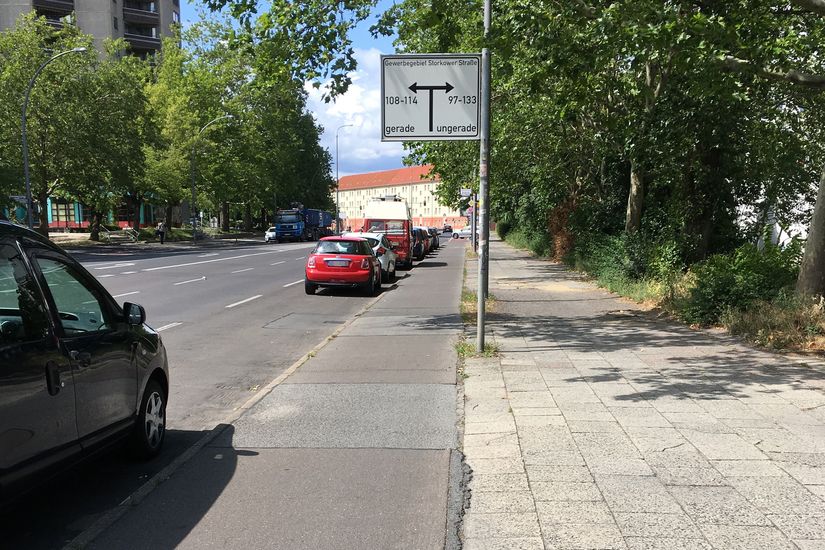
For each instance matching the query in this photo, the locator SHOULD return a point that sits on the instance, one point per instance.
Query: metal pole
(484, 190)
(29, 201)
(338, 183)
(192, 207)
(473, 225)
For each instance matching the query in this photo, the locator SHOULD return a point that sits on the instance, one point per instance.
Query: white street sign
(430, 97)
(464, 193)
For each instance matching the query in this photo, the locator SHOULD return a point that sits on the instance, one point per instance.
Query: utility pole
(484, 187)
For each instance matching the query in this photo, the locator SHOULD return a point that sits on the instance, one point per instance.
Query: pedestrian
(161, 231)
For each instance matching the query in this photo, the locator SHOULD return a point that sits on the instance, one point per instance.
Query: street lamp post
(192, 171)
(23, 131)
(338, 183)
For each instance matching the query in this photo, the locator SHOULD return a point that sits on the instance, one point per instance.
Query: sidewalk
(600, 426)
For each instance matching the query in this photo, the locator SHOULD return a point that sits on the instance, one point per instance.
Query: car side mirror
(134, 314)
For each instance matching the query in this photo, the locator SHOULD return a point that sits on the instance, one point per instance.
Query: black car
(77, 371)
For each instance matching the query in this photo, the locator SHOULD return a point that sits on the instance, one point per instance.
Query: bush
(503, 228)
(537, 242)
(735, 281)
(788, 321)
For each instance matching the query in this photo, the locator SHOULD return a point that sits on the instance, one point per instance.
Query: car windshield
(338, 247)
(287, 218)
(271, 230)
(381, 226)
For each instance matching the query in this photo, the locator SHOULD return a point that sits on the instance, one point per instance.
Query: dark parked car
(77, 371)
(422, 242)
(447, 228)
(434, 240)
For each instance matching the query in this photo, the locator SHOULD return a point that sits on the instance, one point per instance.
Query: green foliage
(503, 228)
(787, 321)
(735, 281)
(536, 242)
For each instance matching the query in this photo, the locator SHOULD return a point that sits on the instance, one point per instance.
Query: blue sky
(360, 147)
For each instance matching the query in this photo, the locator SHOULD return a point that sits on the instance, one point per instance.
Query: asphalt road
(233, 317)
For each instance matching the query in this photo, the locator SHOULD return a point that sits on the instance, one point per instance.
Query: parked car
(435, 243)
(271, 235)
(343, 262)
(463, 233)
(383, 250)
(417, 241)
(424, 238)
(78, 372)
(447, 229)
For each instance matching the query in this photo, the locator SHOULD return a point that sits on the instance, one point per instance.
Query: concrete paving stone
(810, 544)
(741, 468)
(558, 472)
(524, 361)
(471, 416)
(702, 422)
(519, 368)
(486, 406)
(788, 414)
(584, 426)
(818, 490)
(729, 408)
(493, 502)
(521, 399)
(501, 426)
(679, 455)
(646, 543)
(610, 402)
(689, 476)
(633, 416)
(778, 495)
(607, 465)
(476, 393)
(717, 446)
(740, 537)
(565, 490)
(496, 465)
(499, 543)
(636, 494)
(501, 525)
(752, 423)
(646, 524)
(601, 444)
(778, 440)
(492, 451)
(536, 411)
(673, 404)
(580, 512)
(499, 482)
(553, 457)
(593, 412)
(579, 394)
(718, 505)
(592, 535)
(801, 526)
(531, 421)
(531, 379)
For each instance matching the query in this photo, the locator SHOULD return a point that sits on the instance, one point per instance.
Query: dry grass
(469, 305)
(789, 322)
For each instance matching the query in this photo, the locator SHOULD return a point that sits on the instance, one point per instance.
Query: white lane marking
(116, 266)
(295, 283)
(126, 294)
(206, 261)
(190, 281)
(244, 301)
(301, 258)
(279, 263)
(128, 272)
(165, 327)
(208, 255)
(104, 276)
(242, 270)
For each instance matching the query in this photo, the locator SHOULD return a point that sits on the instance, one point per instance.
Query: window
(176, 17)
(79, 308)
(62, 211)
(114, 19)
(22, 314)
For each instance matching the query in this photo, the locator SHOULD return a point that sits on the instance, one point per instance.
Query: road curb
(88, 535)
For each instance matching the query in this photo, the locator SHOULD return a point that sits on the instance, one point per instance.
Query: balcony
(62, 7)
(141, 13)
(142, 43)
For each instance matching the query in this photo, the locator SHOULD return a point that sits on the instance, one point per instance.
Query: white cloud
(360, 147)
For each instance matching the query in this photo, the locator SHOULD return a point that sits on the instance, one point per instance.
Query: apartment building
(413, 184)
(141, 22)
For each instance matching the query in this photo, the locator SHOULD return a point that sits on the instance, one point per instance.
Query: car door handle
(84, 358)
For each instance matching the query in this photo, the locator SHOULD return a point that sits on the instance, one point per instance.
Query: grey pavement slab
(418, 359)
(413, 416)
(230, 497)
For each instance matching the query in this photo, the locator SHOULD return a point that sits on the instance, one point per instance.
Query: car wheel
(369, 287)
(455, 235)
(379, 279)
(150, 429)
(309, 288)
(391, 278)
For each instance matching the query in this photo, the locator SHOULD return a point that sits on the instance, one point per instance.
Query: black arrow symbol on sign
(447, 87)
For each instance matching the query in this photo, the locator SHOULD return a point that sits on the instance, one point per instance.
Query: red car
(343, 262)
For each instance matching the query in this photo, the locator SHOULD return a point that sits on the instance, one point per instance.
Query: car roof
(364, 234)
(342, 238)
(9, 228)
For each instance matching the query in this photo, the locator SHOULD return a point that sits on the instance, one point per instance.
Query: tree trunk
(167, 215)
(136, 220)
(633, 219)
(224, 216)
(811, 281)
(94, 227)
(42, 199)
(247, 217)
